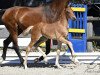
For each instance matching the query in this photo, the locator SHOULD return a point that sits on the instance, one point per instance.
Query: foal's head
(70, 13)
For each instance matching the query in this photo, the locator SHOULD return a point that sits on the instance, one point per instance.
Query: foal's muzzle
(73, 18)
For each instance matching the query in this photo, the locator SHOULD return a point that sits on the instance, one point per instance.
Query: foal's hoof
(36, 60)
(75, 61)
(46, 60)
(58, 66)
(1, 60)
(25, 65)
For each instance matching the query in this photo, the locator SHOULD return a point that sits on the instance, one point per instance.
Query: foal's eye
(67, 12)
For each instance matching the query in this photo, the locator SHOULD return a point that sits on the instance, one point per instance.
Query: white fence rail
(21, 41)
(2, 26)
(93, 57)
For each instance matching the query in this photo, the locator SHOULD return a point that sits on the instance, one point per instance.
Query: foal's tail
(27, 31)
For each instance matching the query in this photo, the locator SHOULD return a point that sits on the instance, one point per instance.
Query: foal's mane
(55, 10)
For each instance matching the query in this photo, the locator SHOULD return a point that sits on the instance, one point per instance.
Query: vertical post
(78, 38)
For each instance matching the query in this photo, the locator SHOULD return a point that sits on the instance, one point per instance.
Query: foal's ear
(69, 4)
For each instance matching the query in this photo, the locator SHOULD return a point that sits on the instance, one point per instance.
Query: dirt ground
(50, 69)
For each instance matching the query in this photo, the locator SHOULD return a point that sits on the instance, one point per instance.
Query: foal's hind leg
(58, 54)
(32, 43)
(6, 43)
(27, 52)
(34, 38)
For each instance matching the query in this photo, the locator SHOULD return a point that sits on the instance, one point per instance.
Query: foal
(56, 30)
(70, 15)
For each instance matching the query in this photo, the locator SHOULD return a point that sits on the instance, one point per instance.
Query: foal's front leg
(63, 40)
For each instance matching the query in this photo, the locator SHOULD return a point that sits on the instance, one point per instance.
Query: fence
(65, 58)
(78, 28)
